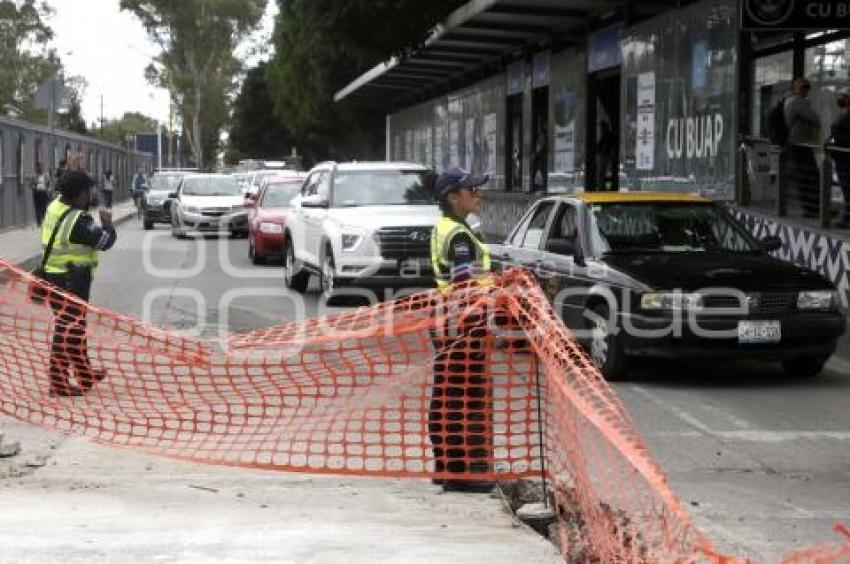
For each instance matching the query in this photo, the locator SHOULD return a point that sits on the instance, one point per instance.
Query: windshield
(279, 194)
(380, 188)
(211, 186)
(165, 182)
(665, 228)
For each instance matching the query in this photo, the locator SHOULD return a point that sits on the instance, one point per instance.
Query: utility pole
(158, 146)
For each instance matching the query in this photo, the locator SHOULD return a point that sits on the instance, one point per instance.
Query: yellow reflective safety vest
(64, 252)
(441, 237)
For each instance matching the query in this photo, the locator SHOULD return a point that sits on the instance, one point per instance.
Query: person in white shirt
(108, 189)
(40, 185)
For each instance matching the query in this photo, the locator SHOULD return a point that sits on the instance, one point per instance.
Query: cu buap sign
(795, 14)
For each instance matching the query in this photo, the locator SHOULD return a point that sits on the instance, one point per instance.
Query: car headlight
(817, 300)
(670, 301)
(267, 227)
(192, 209)
(350, 241)
(351, 237)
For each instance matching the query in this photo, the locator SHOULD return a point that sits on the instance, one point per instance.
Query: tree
(116, 130)
(197, 65)
(252, 133)
(26, 59)
(321, 45)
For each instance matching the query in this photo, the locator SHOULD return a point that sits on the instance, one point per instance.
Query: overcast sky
(95, 39)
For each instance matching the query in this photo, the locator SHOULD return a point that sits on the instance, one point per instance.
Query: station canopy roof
(480, 37)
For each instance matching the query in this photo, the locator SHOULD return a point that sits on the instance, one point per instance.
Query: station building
(559, 96)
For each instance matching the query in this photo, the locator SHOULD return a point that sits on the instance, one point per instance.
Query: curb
(31, 262)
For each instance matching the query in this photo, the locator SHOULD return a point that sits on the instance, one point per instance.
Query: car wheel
(294, 276)
(252, 254)
(605, 347)
(148, 225)
(328, 280)
(804, 366)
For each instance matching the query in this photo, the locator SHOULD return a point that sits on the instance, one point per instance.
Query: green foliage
(117, 130)
(321, 45)
(197, 65)
(26, 59)
(252, 133)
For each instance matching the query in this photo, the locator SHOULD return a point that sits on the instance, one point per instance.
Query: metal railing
(800, 181)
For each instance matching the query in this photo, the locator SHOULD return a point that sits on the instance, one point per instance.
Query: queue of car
(640, 274)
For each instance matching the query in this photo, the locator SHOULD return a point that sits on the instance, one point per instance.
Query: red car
(266, 211)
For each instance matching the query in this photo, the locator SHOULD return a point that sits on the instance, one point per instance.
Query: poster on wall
(565, 128)
(645, 139)
(439, 135)
(490, 142)
(469, 137)
(429, 147)
(417, 155)
(454, 139)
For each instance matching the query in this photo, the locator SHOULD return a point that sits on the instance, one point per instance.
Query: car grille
(214, 212)
(405, 242)
(764, 303)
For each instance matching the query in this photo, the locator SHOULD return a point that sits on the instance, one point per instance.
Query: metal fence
(25, 145)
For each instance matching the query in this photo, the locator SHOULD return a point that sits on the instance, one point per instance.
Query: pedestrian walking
(803, 125)
(70, 264)
(108, 189)
(459, 418)
(40, 186)
(139, 186)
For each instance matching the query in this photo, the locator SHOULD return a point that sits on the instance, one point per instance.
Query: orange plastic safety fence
(479, 383)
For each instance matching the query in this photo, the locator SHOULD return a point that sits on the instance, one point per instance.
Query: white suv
(366, 223)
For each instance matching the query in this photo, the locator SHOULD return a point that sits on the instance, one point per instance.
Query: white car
(360, 224)
(208, 202)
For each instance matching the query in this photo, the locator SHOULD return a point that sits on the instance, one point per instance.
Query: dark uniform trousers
(70, 350)
(460, 418)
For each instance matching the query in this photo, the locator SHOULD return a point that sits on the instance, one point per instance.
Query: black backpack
(777, 128)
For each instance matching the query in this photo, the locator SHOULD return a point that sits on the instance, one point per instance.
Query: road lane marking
(744, 435)
(782, 436)
(680, 413)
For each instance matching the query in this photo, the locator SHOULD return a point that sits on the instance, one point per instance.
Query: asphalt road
(762, 461)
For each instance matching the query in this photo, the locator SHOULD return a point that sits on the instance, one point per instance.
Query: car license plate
(759, 331)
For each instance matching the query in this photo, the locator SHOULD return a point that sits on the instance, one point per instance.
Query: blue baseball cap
(456, 177)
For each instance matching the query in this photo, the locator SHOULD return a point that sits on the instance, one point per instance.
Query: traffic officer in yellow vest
(459, 418)
(70, 265)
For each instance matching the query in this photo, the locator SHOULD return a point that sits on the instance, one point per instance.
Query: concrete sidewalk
(22, 245)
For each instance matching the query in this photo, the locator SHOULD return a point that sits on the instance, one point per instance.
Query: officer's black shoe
(87, 381)
(468, 486)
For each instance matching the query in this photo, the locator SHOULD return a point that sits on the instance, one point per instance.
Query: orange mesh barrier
(477, 384)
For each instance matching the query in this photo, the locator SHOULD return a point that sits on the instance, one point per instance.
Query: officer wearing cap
(458, 253)
(458, 421)
(70, 265)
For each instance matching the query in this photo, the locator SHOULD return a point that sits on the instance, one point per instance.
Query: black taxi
(672, 275)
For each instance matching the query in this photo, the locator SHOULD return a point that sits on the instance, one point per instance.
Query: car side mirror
(315, 203)
(563, 247)
(772, 243)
